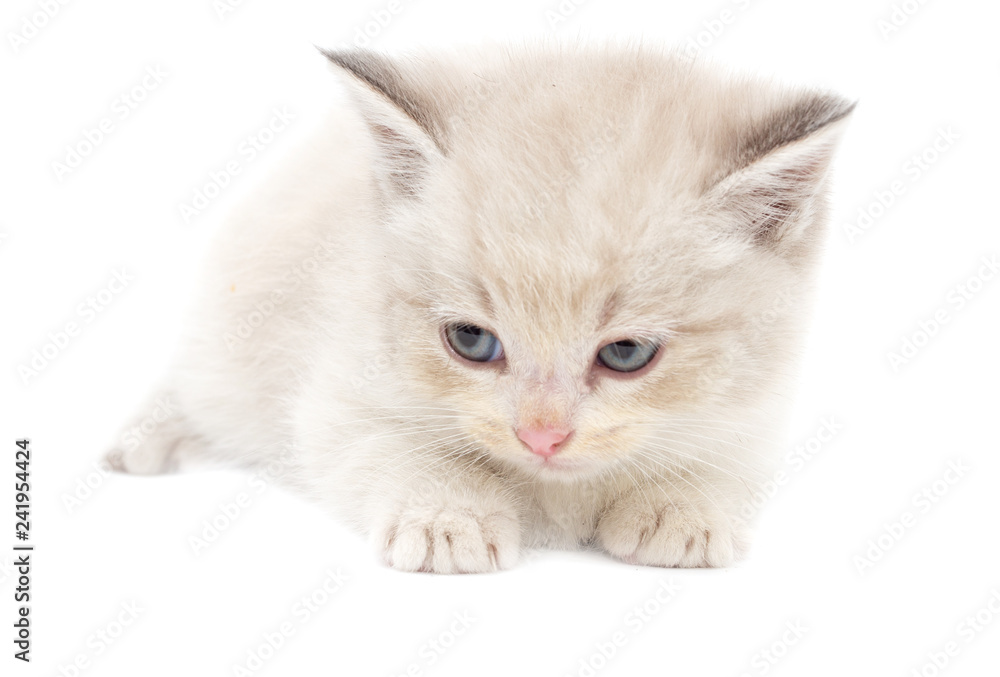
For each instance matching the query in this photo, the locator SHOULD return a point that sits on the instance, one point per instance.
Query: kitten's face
(583, 259)
(523, 318)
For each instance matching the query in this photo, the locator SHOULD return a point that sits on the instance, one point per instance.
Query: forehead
(565, 288)
(586, 247)
(566, 219)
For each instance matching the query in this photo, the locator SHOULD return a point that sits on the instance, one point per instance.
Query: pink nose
(543, 442)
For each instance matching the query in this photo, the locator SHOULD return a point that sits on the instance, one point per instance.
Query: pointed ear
(777, 186)
(401, 121)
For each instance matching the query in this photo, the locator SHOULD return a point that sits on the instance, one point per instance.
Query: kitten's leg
(679, 522)
(451, 517)
(158, 439)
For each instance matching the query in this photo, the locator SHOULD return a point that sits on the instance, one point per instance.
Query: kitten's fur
(564, 198)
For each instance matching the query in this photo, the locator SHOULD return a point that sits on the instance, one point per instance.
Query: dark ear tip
(835, 108)
(374, 69)
(347, 59)
(847, 108)
(366, 64)
(327, 52)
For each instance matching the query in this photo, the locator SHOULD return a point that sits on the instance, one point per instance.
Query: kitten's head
(588, 249)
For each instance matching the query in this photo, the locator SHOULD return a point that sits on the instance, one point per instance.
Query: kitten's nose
(543, 442)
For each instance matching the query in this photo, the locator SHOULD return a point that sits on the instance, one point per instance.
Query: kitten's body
(563, 199)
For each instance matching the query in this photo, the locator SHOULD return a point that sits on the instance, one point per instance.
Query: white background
(62, 239)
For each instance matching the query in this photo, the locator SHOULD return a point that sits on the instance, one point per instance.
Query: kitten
(514, 298)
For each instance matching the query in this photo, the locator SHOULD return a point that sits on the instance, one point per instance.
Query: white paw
(665, 534)
(154, 457)
(157, 440)
(450, 540)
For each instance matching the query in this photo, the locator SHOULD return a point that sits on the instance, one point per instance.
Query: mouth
(555, 466)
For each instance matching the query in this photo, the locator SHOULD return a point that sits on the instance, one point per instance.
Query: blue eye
(474, 343)
(627, 355)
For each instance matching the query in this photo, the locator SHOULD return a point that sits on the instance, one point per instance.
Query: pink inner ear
(543, 442)
(768, 213)
(772, 195)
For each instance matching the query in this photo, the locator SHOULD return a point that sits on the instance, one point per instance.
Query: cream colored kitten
(519, 297)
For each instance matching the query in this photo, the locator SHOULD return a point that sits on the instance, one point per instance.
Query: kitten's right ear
(401, 121)
(780, 163)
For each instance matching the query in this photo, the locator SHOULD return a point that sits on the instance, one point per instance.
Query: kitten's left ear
(401, 119)
(776, 188)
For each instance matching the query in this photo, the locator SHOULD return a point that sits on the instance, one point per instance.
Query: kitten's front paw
(450, 540)
(665, 534)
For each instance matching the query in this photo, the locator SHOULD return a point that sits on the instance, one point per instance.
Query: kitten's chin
(558, 469)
